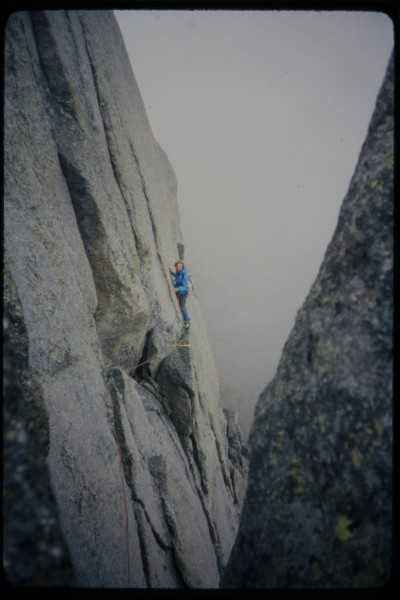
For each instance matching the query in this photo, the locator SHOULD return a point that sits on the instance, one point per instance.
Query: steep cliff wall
(318, 509)
(116, 474)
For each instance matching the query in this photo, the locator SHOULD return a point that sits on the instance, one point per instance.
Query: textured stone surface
(129, 464)
(318, 507)
(36, 552)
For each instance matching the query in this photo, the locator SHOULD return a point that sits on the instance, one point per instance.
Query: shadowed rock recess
(318, 507)
(121, 469)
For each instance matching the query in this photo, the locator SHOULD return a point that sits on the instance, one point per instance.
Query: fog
(262, 115)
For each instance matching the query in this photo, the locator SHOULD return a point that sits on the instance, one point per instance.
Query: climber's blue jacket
(182, 282)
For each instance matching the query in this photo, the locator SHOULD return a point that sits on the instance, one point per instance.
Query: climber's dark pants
(182, 303)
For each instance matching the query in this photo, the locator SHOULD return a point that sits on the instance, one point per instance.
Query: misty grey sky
(262, 115)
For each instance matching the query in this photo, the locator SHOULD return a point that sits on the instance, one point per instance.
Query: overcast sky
(262, 115)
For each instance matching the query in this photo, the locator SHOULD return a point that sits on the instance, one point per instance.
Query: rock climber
(181, 289)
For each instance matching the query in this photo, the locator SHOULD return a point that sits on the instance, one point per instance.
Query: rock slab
(117, 464)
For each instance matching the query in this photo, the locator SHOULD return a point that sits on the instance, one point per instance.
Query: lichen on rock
(318, 507)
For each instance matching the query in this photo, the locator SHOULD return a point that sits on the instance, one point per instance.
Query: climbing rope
(146, 361)
(153, 356)
(174, 345)
(126, 509)
(179, 345)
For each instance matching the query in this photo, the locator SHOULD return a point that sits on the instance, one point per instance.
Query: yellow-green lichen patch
(273, 459)
(342, 529)
(54, 357)
(356, 458)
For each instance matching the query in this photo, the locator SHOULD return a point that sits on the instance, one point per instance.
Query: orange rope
(146, 361)
(159, 352)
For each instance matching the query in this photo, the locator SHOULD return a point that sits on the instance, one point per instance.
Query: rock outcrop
(118, 468)
(318, 507)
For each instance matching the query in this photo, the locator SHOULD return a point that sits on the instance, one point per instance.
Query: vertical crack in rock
(118, 302)
(220, 449)
(142, 369)
(107, 281)
(108, 131)
(117, 390)
(152, 220)
(53, 69)
(179, 565)
(192, 449)
(186, 429)
(199, 462)
(215, 539)
(171, 381)
(180, 397)
(158, 470)
(221, 457)
(238, 453)
(34, 549)
(164, 413)
(148, 203)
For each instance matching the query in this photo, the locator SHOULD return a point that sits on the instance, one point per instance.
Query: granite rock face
(318, 507)
(118, 470)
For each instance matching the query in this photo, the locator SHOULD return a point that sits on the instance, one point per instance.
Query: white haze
(262, 115)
